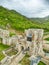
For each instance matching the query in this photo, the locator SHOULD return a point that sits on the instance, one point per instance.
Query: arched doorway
(0, 40)
(22, 48)
(28, 48)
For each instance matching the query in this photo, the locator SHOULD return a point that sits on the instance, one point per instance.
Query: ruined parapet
(10, 40)
(4, 33)
(6, 41)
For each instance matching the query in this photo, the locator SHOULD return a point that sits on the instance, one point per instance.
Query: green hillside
(12, 19)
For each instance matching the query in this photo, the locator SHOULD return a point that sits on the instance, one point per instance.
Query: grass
(1, 56)
(47, 39)
(2, 47)
(11, 34)
(12, 52)
(25, 60)
(41, 63)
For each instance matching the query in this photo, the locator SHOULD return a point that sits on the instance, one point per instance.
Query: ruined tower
(34, 37)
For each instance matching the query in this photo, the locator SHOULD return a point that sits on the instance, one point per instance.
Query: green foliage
(1, 56)
(18, 21)
(11, 34)
(41, 63)
(47, 39)
(2, 47)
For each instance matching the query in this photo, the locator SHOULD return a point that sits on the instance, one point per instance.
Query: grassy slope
(41, 63)
(18, 21)
(2, 47)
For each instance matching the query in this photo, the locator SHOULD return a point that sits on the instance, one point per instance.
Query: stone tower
(38, 41)
(35, 40)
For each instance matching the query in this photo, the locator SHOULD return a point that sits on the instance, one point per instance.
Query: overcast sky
(29, 8)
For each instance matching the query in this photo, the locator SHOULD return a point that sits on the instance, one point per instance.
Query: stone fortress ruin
(31, 42)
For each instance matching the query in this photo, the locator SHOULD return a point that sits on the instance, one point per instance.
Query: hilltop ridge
(13, 19)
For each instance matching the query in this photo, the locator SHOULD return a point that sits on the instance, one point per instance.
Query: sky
(28, 8)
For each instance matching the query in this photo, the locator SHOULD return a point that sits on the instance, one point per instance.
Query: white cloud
(29, 8)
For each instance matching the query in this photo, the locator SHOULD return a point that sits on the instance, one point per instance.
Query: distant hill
(40, 20)
(13, 19)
